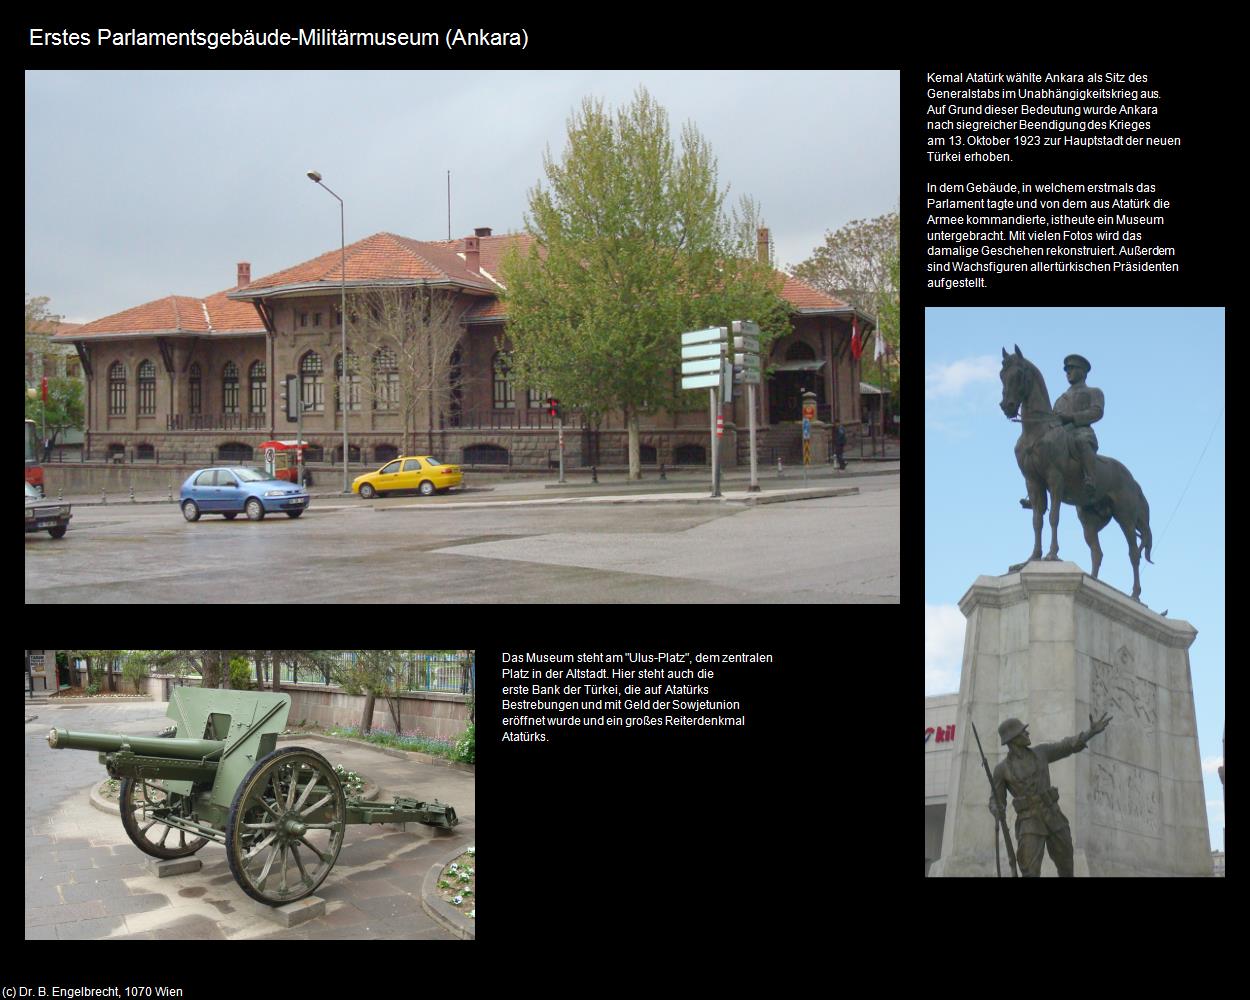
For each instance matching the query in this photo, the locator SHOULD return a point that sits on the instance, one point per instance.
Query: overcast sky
(146, 184)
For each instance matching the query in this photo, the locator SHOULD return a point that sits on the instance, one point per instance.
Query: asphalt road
(413, 550)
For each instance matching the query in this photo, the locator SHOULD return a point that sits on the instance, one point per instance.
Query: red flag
(45, 388)
(857, 346)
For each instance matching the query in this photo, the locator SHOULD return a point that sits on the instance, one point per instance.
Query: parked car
(42, 515)
(422, 473)
(230, 490)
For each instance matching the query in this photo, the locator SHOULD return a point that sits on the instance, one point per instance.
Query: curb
(449, 917)
(423, 758)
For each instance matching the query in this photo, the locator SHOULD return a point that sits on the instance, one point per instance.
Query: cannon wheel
(286, 826)
(139, 828)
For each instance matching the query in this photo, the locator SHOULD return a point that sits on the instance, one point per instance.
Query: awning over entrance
(798, 366)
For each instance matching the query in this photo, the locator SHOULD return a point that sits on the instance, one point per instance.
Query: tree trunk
(260, 672)
(635, 460)
(366, 720)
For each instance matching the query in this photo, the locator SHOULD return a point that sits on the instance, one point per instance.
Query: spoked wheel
(142, 804)
(286, 826)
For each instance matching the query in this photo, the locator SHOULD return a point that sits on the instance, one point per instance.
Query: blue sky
(1162, 373)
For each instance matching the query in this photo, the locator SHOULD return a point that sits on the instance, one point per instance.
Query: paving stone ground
(85, 880)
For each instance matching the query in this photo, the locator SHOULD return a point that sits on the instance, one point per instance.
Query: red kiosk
(282, 458)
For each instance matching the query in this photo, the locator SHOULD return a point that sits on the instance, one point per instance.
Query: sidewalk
(613, 486)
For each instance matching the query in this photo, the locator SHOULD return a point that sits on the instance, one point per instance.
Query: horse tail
(1143, 525)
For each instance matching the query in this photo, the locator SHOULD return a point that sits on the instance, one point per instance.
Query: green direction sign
(751, 344)
(747, 360)
(712, 334)
(747, 327)
(746, 376)
(715, 350)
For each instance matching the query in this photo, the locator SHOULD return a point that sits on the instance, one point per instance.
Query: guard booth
(281, 458)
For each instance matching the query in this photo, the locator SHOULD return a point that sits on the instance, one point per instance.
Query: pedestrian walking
(839, 442)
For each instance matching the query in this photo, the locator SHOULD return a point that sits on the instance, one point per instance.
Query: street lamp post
(316, 179)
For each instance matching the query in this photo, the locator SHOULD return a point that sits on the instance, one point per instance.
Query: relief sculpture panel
(1124, 773)
(1125, 797)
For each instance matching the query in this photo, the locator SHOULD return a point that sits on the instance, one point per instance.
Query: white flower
(458, 900)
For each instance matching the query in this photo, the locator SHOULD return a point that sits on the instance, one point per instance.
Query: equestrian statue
(1057, 455)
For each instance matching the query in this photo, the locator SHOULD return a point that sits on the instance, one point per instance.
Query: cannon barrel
(147, 746)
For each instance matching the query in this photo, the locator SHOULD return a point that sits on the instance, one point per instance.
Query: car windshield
(31, 492)
(249, 475)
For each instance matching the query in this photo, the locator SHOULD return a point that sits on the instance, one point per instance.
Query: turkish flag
(45, 388)
(857, 345)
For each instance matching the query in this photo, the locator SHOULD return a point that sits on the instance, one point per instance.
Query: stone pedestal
(1051, 646)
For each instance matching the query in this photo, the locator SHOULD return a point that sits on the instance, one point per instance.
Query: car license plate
(297, 502)
(46, 522)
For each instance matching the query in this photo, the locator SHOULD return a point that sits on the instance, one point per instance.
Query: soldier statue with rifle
(1025, 771)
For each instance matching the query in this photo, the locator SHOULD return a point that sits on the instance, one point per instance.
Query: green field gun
(280, 813)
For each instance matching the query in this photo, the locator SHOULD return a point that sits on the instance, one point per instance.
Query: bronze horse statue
(1050, 466)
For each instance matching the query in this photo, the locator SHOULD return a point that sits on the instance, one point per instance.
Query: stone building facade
(189, 380)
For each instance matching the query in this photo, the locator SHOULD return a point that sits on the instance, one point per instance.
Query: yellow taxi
(422, 473)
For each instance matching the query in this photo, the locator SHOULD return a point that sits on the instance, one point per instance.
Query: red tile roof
(380, 257)
(176, 314)
(803, 296)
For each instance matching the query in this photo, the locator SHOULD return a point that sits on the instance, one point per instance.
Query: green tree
(63, 411)
(96, 660)
(631, 247)
(41, 323)
(854, 263)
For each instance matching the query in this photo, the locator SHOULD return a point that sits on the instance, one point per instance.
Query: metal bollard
(662, 476)
(104, 497)
(594, 474)
(780, 473)
(132, 492)
(60, 493)
(171, 490)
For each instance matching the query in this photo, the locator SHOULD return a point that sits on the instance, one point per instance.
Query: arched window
(385, 453)
(117, 389)
(230, 388)
(256, 377)
(799, 351)
(504, 393)
(311, 382)
(353, 382)
(385, 380)
(147, 388)
(195, 380)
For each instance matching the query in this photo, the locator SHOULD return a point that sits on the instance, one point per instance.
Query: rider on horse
(1081, 405)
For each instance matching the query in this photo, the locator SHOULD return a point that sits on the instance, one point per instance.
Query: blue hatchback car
(233, 489)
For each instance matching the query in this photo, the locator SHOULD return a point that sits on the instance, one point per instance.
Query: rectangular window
(230, 397)
(147, 397)
(117, 398)
(316, 319)
(258, 397)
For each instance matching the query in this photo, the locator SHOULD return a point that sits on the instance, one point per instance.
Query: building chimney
(244, 275)
(761, 246)
(482, 231)
(472, 254)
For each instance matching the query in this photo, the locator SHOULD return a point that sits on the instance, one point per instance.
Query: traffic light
(553, 406)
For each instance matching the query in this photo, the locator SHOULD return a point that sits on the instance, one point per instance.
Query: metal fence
(451, 672)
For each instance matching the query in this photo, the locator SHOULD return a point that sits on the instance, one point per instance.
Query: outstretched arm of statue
(1094, 729)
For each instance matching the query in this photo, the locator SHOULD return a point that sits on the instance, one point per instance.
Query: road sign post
(747, 369)
(703, 365)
